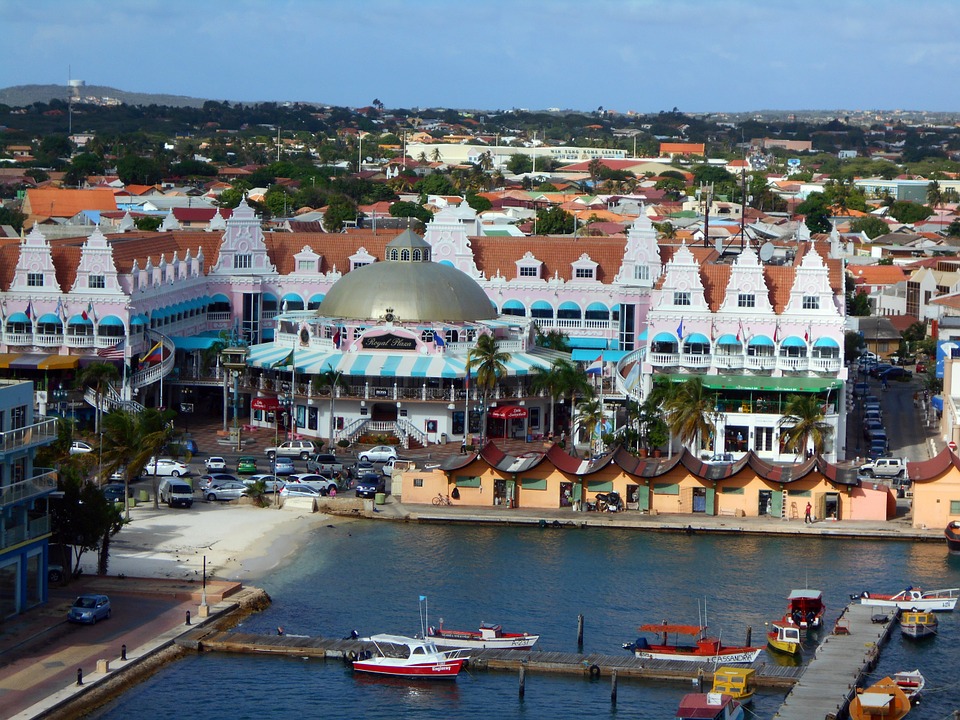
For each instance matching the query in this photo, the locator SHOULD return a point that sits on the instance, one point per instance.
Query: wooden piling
(613, 687)
(580, 631)
(747, 642)
(523, 681)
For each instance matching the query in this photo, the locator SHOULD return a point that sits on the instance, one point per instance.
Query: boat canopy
(679, 629)
(805, 595)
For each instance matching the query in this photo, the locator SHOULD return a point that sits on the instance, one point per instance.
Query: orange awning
(6, 359)
(59, 362)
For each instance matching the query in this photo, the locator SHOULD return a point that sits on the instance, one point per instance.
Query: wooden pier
(769, 674)
(831, 678)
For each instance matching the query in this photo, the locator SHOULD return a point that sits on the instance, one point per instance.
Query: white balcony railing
(44, 340)
(18, 338)
(105, 341)
(696, 361)
(793, 364)
(80, 341)
(760, 362)
(28, 489)
(825, 365)
(37, 434)
(664, 359)
(728, 362)
(218, 317)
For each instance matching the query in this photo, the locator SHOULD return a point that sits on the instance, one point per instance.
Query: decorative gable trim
(242, 250)
(528, 267)
(35, 272)
(306, 262)
(97, 272)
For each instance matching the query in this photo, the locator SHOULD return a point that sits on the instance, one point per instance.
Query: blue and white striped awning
(379, 364)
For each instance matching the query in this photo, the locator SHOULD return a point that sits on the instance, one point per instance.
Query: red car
(921, 368)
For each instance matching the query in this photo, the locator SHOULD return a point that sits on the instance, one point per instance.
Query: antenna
(766, 252)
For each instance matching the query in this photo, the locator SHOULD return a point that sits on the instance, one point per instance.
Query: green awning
(770, 384)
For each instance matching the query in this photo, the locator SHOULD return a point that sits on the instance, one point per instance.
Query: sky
(622, 55)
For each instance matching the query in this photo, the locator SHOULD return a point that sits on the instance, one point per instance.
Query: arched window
(405, 255)
(416, 254)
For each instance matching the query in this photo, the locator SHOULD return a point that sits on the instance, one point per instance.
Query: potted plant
(657, 436)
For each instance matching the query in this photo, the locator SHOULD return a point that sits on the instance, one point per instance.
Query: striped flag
(596, 367)
(114, 352)
(154, 354)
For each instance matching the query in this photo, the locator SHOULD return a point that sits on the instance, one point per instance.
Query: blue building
(24, 500)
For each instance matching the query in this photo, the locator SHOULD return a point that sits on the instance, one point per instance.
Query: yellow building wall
(932, 498)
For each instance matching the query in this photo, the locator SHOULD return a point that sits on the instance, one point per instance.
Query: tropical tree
(490, 364)
(84, 519)
(550, 381)
(131, 440)
(97, 375)
(688, 410)
(553, 339)
(590, 417)
(331, 379)
(803, 424)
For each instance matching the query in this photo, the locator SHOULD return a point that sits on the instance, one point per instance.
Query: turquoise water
(369, 576)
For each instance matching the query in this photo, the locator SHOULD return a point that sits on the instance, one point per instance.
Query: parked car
(877, 370)
(861, 389)
(175, 492)
(215, 462)
(190, 446)
(325, 464)
(89, 609)
(270, 482)
(896, 373)
(871, 425)
(212, 479)
(921, 368)
(298, 490)
(225, 491)
(114, 492)
(78, 447)
(165, 466)
(54, 573)
(361, 468)
(246, 465)
(318, 482)
(302, 449)
(283, 466)
(877, 449)
(379, 453)
(371, 484)
(885, 467)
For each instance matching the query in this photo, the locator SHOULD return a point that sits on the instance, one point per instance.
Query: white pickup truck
(886, 467)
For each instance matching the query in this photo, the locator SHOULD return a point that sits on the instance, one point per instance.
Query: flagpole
(293, 393)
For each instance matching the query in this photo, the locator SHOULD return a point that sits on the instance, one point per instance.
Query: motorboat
(709, 706)
(952, 534)
(487, 636)
(805, 609)
(913, 598)
(740, 683)
(785, 638)
(884, 700)
(912, 684)
(406, 657)
(702, 649)
(918, 624)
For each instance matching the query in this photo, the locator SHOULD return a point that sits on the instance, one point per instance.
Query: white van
(175, 492)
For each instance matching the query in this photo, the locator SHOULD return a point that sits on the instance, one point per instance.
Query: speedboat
(709, 706)
(918, 624)
(952, 534)
(884, 700)
(913, 599)
(738, 682)
(702, 649)
(488, 636)
(912, 684)
(785, 638)
(406, 657)
(805, 608)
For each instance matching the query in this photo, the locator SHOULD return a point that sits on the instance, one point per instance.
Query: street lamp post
(333, 395)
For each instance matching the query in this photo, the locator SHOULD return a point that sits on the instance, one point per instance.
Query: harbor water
(369, 576)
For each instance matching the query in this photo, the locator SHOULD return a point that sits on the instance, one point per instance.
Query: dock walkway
(831, 678)
(769, 675)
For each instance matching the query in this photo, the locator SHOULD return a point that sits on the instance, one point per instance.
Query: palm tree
(803, 424)
(490, 364)
(97, 375)
(688, 411)
(569, 382)
(122, 446)
(332, 379)
(155, 431)
(436, 155)
(549, 380)
(590, 417)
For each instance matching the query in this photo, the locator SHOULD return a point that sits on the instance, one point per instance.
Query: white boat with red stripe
(412, 658)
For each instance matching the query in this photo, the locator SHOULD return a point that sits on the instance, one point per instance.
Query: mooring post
(123, 651)
(523, 681)
(749, 636)
(613, 687)
(699, 679)
(188, 617)
(580, 631)
(79, 676)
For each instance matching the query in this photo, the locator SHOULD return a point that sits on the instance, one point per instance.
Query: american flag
(114, 352)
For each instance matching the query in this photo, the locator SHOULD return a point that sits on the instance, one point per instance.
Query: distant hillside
(23, 95)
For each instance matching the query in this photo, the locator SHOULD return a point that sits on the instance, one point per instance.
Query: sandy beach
(239, 542)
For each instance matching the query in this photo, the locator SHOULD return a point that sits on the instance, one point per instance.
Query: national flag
(84, 315)
(285, 362)
(596, 367)
(806, 335)
(29, 310)
(739, 332)
(114, 352)
(776, 333)
(422, 598)
(60, 311)
(336, 339)
(438, 339)
(680, 330)
(154, 354)
(713, 331)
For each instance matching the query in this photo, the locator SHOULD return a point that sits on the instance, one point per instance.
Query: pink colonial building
(756, 333)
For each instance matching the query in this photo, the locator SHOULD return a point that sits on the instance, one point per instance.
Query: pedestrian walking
(806, 517)
(463, 446)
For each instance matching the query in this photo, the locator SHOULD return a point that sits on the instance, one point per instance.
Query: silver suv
(292, 448)
(885, 467)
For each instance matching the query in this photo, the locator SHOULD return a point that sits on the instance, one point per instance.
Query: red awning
(508, 412)
(269, 404)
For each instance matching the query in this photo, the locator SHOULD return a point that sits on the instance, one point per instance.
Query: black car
(371, 484)
(113, 492)
(877, 370)
(896, 373)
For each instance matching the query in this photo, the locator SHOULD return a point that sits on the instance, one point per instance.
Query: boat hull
(930, 604)
(912, 684)
(735, 656)
(952, 535)
(423, 671)
(523, 642)
(784, 647)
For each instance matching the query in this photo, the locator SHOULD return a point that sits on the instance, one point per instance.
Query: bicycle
(442, 499)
